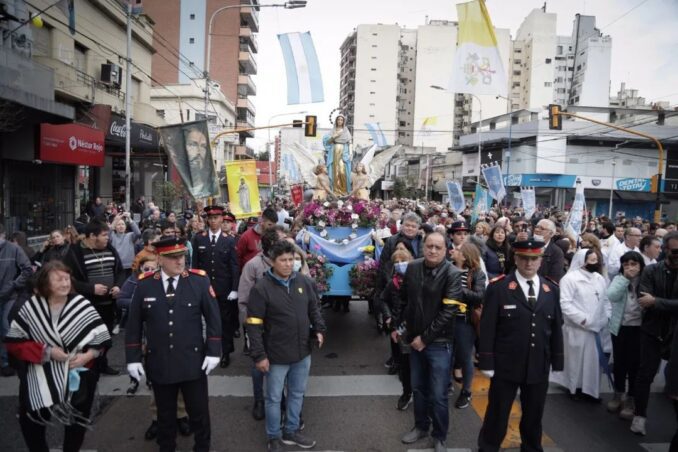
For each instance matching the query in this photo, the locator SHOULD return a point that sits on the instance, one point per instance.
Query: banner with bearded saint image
(188, 147)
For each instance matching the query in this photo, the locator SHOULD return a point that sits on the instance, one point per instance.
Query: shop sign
(633, 184)
(540, 180)
(143, 136)
(71, 144)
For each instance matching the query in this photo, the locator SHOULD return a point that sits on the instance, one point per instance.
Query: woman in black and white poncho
(52, 334)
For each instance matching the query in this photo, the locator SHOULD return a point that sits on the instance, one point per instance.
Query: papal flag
(304, 82)
(477, 65)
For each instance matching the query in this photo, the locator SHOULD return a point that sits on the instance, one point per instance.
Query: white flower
(340, 203)
(345, 242)
(326, 204)
(352, 236)
(349, 208)
(323, 233)
(355, 216)
(354, 225)
(321, 224)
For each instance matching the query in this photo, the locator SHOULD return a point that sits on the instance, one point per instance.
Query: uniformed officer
(520, 340)
(173, 302)
(214, 252)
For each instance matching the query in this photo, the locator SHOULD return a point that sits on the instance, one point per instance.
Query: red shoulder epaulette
(197, 271)
(555, 283)
(145, 275)
(497, 278)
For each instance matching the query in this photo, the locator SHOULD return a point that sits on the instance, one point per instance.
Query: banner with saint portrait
(243, 188)
(188, 147)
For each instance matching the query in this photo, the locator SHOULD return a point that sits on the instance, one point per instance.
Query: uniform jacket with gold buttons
(175, 346)
(519, 342)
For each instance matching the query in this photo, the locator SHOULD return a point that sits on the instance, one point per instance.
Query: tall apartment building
(182, 53)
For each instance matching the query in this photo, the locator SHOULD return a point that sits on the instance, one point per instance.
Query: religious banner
(243, 189)
(455, 197)
(480, 203)
(188, 147)
(576, 217)
(495, 181)
(297, 194)
(529, 201)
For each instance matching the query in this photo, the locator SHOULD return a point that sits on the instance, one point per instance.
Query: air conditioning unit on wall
(111, 74)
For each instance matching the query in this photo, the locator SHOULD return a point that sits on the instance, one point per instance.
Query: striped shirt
(99, 266)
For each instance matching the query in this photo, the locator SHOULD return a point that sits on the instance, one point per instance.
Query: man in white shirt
(631, 241)
(650, 248)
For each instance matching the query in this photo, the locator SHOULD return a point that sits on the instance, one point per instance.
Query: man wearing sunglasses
(659, 300)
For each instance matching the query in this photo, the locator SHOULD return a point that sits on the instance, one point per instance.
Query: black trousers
(228, 309)
(74, 435)
(501, 396)
(674, 441)
(626, 355)
(650, 359)
(195, 397)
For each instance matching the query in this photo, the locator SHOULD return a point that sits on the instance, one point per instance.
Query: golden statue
(338, 156)
(361, 183)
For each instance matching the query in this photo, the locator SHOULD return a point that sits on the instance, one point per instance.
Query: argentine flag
(378, 137)
(304, 82)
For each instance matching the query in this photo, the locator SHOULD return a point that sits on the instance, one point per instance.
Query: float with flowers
(341, 231)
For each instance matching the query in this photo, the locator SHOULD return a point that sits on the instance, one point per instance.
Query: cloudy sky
(644, 41)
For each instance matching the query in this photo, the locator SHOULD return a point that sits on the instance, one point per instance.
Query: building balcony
(246, 81)
(248, 65)
(250, 14)
(250, 37)
(246, 104)
(244, 152)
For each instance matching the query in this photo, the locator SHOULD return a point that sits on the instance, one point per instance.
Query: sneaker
(439, 446)
(450, 390)
(638, 425)
(7, 371)
(389, 362)
(275, 445)
(152, 431)
(413, 436)
(628, 410)
(116, 330)
(297, 439)
(258, 410)
(404, 401)
(463, 400)
(394, 369)
(614, 404)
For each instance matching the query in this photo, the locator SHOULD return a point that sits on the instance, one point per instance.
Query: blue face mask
(400, 267)
(297, 266)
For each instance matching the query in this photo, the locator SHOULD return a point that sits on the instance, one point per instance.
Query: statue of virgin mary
(338, 156)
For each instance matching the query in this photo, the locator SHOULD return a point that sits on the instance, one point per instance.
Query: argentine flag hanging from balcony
(304, 82)
(377, 135)
(477, 65)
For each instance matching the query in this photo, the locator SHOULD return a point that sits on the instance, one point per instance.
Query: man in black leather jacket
(659, 299)
(430, 297)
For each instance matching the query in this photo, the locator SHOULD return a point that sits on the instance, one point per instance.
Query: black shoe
(225, 361)
(236, 334)
(346, 307)
(394, 369)
(404, 401)
(184, 426)
(245, 349)
(152, 431)
(388, 363)
(258, 410)
(108, 370)
(7, 371)
(275, 445)
(337, 308)
(463, 400)
(297, 439)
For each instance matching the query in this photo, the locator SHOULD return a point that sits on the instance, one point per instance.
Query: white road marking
(655, 447)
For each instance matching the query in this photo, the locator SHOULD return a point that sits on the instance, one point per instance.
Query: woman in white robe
(586, 310)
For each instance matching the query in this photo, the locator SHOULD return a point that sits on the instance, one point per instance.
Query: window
(42, 41)
(516, 73)
(372, 92)
(80, 57)
(373, 69)
(374, 58)
(374, 46)
(402, 123)
(191, 40)
(548, 61)
(559, 50)
(160, 113)
(373, 81)
(192, 17)
(375, 34)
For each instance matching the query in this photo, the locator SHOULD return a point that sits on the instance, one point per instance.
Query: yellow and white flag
(477, 65)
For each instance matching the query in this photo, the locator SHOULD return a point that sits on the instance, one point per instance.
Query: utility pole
(128, 107)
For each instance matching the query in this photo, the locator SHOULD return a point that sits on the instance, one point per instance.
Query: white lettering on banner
(631, 184)
(118, 130)
(146, 136)
(75, 143)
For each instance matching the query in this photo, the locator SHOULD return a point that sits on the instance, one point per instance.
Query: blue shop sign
(633, 184)
(540, 180)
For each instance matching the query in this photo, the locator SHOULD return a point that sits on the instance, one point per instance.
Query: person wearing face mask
(390, 308)
(659, 299)
(625, 329)
(586, 310)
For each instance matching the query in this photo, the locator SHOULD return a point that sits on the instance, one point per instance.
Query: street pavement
(350, 406)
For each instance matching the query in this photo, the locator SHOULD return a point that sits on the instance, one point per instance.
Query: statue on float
(338, 154)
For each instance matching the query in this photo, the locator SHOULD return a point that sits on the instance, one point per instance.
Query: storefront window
(38, 198)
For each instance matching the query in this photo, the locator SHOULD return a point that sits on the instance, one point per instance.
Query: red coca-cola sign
(71, 144)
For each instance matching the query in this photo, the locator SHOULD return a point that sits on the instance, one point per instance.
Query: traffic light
(297, 123)
(311, 127)
(555, 119)
(655, 182)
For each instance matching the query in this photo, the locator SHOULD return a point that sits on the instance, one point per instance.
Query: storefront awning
(143, 137)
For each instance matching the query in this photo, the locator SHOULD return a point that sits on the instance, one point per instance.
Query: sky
(644, 42)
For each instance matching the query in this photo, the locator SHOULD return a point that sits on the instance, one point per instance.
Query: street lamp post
(292, 4)
(271, 147)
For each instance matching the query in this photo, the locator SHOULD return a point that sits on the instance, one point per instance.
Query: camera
(289, 221)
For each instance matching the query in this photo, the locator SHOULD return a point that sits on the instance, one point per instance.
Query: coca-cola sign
(143, 137)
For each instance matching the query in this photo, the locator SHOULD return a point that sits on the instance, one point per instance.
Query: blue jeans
(5, 308)
(430, 369)
(462, 358)
(257, 384)
(297, 377)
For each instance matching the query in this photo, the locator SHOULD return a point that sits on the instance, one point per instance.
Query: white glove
(488, 373)
(209, 364)
(135, 370)
(233, 295)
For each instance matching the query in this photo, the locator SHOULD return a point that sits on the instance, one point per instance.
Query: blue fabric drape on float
(338, 252)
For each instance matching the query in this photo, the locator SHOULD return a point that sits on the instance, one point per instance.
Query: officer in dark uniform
(521, 339)
(214, 252)
(173, 302)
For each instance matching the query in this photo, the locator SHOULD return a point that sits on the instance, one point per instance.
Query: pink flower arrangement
(320, 271)
(363, 278)
(340, 213)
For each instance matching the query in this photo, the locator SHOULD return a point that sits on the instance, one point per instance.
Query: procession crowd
(515, 296)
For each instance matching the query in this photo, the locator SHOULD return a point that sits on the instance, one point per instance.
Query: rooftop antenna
(543, 8)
